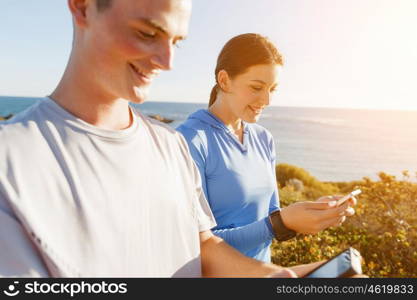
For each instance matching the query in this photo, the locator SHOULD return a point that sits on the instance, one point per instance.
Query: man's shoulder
(18, 133)
(168, 141)
(158, 131)
(22, 123)
(156, 126)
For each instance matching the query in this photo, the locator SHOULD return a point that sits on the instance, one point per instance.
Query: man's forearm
(302, 270)
(221, 260)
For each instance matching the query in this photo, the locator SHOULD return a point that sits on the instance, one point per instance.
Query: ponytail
(213, 95)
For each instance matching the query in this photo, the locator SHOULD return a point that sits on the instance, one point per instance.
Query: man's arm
(18, 256)
(221, 260)
(218, 259)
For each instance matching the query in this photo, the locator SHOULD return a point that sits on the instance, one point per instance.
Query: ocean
(332, 144)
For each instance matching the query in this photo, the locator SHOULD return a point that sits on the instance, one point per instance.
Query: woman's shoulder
(192, 125)
(195, 127)
(193, 131)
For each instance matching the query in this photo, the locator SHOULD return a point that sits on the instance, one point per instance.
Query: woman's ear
(223, 80)
(78, 10)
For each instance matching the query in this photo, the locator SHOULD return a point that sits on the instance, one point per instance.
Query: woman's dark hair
(242, 52)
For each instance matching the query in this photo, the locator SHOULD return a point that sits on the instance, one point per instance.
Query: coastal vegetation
(384, 228)
(4, 118)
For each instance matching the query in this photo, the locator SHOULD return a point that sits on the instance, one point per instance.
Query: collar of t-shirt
(59, 114)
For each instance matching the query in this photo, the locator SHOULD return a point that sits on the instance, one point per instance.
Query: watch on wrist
(281, 232)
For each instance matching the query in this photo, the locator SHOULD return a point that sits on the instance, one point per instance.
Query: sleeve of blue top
(244, 237)
(247, 237)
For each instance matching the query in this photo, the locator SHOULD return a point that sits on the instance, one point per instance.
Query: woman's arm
(248, 236)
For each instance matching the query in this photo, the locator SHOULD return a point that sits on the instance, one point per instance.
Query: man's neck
(77, 95)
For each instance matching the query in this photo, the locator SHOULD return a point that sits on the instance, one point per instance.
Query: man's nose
(163, 58)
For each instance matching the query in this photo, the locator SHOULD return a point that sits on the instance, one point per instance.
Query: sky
(338, 53)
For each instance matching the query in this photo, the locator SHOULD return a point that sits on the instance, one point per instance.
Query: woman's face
(250, 92)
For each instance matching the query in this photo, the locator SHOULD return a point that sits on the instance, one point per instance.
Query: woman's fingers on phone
(341, 221)
(334, 212)
(326, 199)
(349, 211)
(337, 221)
(336, 217)
(320, 205)
(353, 201)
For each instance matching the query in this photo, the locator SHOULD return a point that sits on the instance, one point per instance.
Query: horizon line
(283, 106)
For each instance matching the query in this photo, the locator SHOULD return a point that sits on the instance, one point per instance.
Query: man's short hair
(103, 4)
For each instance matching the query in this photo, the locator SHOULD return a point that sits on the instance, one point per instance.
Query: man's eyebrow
(158, 27)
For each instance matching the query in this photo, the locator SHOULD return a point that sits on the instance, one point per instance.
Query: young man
(90, 187)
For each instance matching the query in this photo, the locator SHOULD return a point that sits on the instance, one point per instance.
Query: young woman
(236, 157)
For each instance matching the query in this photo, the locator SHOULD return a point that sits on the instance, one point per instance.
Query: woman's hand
(352, 202)
(312, 217)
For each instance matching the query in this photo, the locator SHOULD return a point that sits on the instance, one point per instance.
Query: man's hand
(302, 270)
(284, 273)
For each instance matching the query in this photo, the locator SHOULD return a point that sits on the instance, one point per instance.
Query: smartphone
(345, 264)
(347, 197)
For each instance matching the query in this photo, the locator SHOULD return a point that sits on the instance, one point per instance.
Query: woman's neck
(224, 113)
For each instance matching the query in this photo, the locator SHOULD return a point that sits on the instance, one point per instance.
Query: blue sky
(338, 53)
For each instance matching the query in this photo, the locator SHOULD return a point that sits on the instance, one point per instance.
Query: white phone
(347, 197)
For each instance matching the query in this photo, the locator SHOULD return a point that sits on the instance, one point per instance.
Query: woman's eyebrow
(264, 83)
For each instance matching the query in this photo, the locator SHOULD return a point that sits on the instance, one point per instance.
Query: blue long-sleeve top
(238, 180)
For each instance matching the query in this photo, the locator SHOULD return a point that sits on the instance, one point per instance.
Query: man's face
(128, 44)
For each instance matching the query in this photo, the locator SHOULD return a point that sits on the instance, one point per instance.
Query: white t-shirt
(80, 201)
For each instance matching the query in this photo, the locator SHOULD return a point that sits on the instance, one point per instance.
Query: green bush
(384, 228)
(313, 188)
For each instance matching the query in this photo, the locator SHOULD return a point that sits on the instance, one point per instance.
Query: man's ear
(223, 80)
(78, 10)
